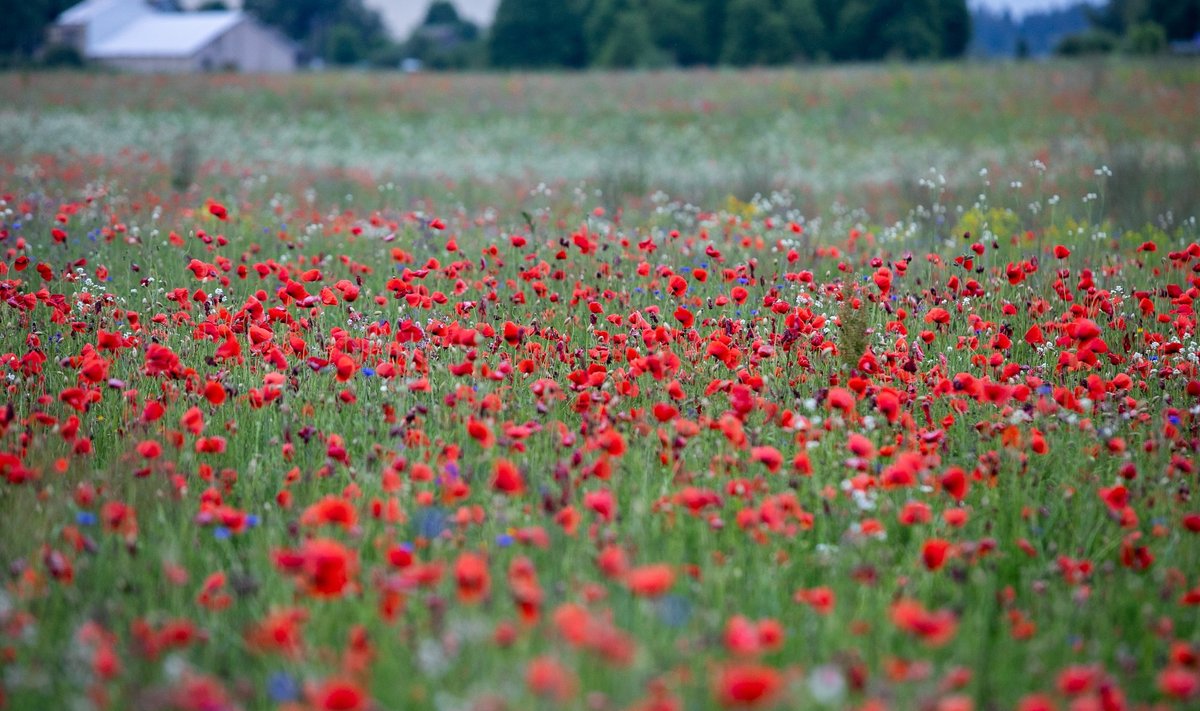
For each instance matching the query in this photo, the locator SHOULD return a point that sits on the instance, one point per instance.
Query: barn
(131, 35)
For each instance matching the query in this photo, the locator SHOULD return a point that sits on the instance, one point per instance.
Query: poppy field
(290, 430)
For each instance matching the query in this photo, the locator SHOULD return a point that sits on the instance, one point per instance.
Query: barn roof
(168, 34)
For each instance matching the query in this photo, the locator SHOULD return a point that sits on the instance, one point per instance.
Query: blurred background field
(866, 136)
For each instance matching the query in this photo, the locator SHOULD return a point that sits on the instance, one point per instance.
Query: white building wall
(248, 48)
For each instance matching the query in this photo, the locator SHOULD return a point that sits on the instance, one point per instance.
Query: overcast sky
(403, 15)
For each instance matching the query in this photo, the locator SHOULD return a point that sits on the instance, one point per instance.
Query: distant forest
(999, 34)
(660, 33)
(646, 33)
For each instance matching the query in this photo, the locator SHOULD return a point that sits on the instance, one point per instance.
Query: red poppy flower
(322, 567)
(481, 433)
(840, 399)
(954, 482)
(280, 631)
(934, 628)
(214, 392)
(821, 599)
(746, 685)
(741, 636)
(1037, 702)
(507, 479)
(650, 580)
(938, 315)
(602, 502)
(547, 677)
(149, 449)
(1180, 682)
(331, 510)
(768, 456)
(934, 552)
(338, 695)
(471, 574)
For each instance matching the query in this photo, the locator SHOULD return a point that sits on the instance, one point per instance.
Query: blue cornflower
(674, 610)
(431, 522)
(282, 687)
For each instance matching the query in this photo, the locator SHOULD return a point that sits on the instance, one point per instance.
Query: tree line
(1136, 27)
(1178, 19)
(647, 33)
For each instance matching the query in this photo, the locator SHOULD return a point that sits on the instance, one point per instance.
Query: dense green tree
(1118, 15)
(773, 32)
(311, 23)
(901, 29)
(713, 28)
(1135, 20)
(807, 27)
(1180, 18)
(1145, 38)
(345, 46)
(441, 12)
(854, 36)
(777, 42)
(24, 23)
(757, 33)
(679, 30)
(907, 35)
(955, 28)
(538, 34)
(673, 28)
(599, 19)
(629, 44)
(830, 12)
